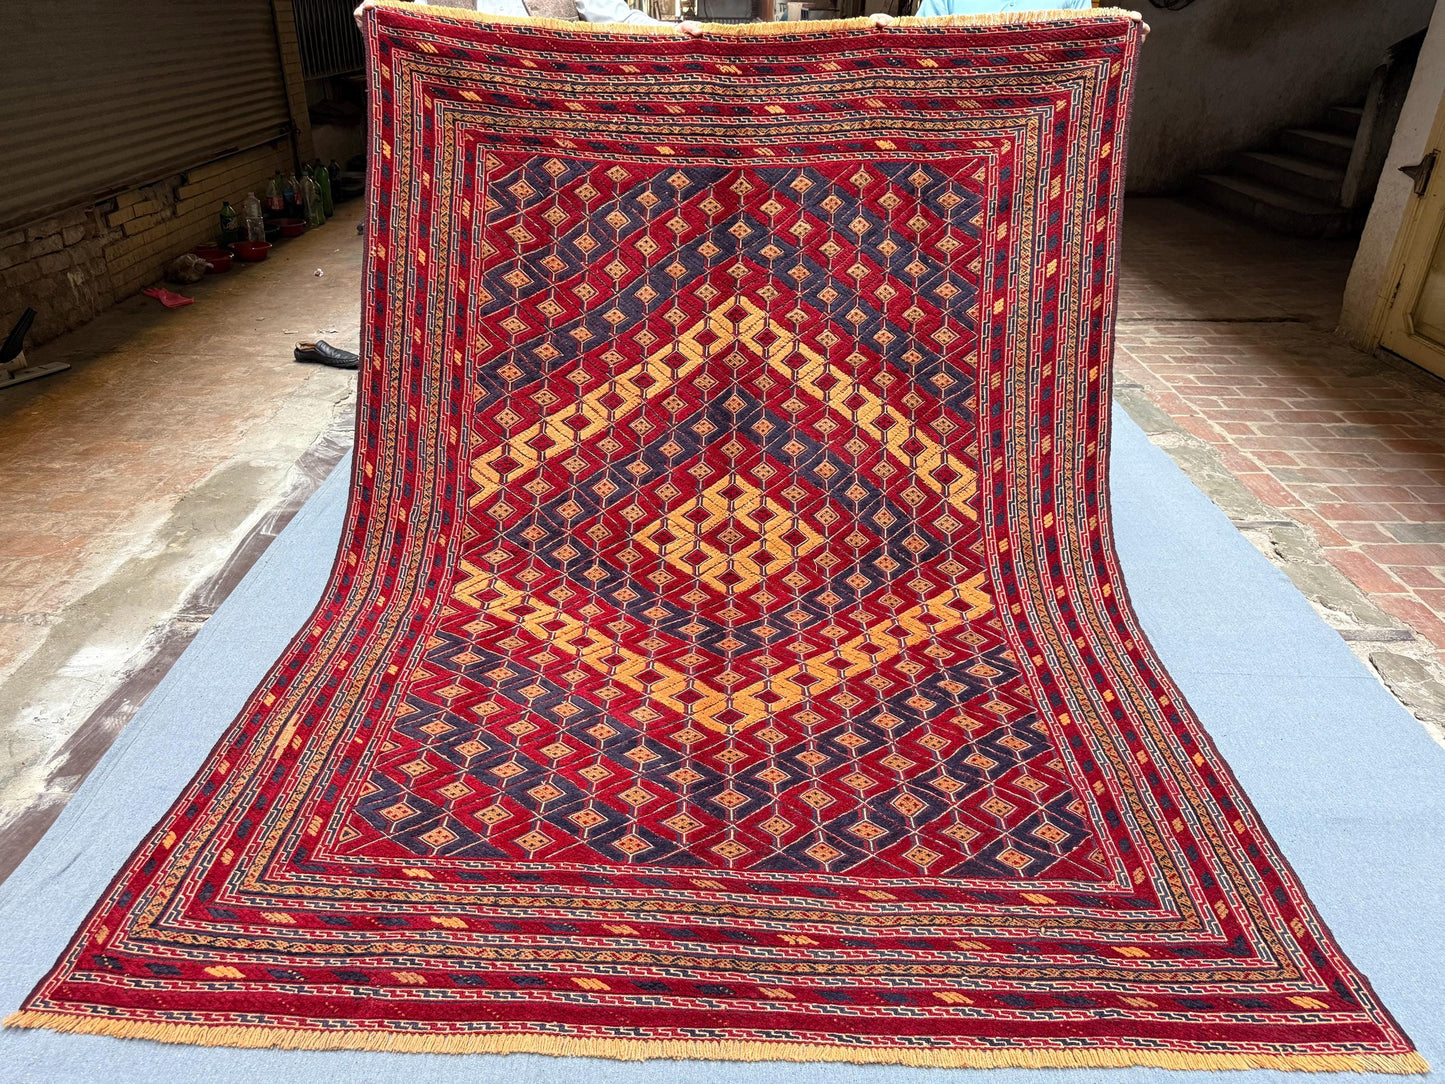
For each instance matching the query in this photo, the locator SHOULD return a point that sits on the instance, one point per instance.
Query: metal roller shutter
(100, 95)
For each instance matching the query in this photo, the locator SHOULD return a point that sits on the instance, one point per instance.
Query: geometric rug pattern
(726, 655)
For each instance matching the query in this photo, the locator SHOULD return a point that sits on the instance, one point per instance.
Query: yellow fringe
(406, 1042)
(743, 30)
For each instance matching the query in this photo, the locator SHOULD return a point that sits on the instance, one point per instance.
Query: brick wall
(70, 266)
(150, 226)
(57, 267)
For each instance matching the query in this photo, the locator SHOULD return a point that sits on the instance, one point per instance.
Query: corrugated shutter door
(98, 95)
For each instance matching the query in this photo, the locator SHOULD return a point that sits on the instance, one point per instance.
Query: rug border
(395, 1042)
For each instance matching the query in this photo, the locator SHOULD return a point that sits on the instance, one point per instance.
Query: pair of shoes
(323, 353)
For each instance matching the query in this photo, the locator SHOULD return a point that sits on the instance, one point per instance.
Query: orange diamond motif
(1016, 859)
(907, 804)
(922, 856)
(822, 852)
(683, 823)
(961, 832)
(586, 818)
(438, 837)
(1050, 833)
(776, 826)
(998, 807)
(867, 830)
(492, 814)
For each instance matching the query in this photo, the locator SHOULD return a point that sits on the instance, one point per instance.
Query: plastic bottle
(311, 194)
(322, 176)
(302, 176)
(275, 198)
(254, 224)
(230, 226)
(291, 196)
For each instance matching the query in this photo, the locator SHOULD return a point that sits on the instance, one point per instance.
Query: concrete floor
(137, 487)
(140, 485)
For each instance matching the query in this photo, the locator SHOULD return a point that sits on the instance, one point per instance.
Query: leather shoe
(323, 353)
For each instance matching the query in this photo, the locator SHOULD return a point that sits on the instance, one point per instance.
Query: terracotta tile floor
(1230, 331)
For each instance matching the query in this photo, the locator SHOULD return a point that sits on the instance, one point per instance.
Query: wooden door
(1414, 324)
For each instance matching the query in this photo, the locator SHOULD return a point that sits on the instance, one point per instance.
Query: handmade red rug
(728, 657)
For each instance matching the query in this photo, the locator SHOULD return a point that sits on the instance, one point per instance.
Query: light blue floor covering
(1350, 785)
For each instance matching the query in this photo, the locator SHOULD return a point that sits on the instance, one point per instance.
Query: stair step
(1344, 119)
(1322, 146)
(1303, 175)
(1275, 208)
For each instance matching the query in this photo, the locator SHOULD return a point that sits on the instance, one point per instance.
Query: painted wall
(1367, 291)
(1223, 75)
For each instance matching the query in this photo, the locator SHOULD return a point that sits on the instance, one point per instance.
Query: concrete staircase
(1295, 185)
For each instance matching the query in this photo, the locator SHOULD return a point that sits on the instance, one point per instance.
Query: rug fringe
(405, 1042)
(739, 30)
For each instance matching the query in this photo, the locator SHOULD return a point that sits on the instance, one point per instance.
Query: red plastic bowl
(292, 227)
(251, 251)
(219, 258)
